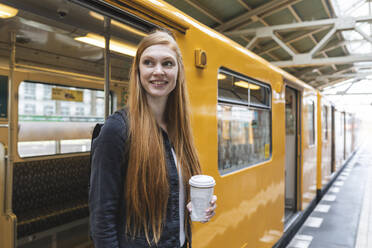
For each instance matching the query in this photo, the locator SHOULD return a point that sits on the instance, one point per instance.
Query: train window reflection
(259, 96)
(325, 122)
(231, 89)
(58, 120)
(311, 123)
(244, 127)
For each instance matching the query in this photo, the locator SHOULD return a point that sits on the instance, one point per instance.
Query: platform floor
(343, 217)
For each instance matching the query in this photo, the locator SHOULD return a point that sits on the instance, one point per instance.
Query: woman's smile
(158, 83)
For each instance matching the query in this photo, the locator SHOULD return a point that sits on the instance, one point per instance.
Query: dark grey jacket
(106, 193)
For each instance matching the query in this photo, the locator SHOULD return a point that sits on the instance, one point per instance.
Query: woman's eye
(147, 62)
(168, 63)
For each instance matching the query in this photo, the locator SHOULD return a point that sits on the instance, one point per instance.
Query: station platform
(343, 217)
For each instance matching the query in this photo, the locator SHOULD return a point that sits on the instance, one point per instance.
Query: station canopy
(325, 43)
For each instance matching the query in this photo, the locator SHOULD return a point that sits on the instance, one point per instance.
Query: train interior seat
(49, 193)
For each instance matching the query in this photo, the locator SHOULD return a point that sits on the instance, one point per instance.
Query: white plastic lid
(202, 181)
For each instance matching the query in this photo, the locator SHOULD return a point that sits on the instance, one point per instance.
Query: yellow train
(273, 143)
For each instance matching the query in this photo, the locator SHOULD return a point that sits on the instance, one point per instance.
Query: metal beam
(344, 23)
(348, 94)
(248, 15)
(320, 84)
(298, 18)
(266, 13)
(294, 13)
(301, 60)
(333, 45)
(316, 79)
(283, 27)
(338, 83)
(355, 6)
(347, 75)
(251, 43)
(365, 36)
(290, 39)
(204, 10)
(323, 41)
(283, 45)
(279, 8)
(325, 6)
(303, 73)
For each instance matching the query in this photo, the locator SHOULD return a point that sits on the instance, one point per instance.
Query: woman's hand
(210, 212)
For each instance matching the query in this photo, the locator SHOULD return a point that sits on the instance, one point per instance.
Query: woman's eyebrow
(153, 56)
(146, 57)
(168, 57)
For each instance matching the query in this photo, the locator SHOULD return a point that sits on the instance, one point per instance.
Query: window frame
(250, 80)
(249, 106)
(58, 85)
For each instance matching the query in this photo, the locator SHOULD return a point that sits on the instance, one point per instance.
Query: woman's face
(158, 71)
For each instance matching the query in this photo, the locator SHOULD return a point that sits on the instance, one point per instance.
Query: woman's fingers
(214, 199)
(210, 212)
(209, 216)
(213, 204)
(188, 206)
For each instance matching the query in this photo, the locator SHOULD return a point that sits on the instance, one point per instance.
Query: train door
(333, 146)
(291, 151)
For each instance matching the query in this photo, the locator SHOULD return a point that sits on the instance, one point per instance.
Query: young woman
(144, 156)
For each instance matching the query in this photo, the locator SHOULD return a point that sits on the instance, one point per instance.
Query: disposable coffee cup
(201, 192)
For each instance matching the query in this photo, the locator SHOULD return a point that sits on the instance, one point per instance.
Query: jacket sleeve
(107, 183)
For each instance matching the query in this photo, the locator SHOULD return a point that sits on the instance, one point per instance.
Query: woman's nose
(158, 69)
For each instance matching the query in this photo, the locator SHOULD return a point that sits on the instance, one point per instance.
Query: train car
(256, 127)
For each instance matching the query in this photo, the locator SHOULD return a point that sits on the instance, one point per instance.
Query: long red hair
(147, 189)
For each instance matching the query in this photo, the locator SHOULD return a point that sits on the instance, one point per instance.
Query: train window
(230, 89)
(259, 96)
(244, 124)
(311, 122)
(29, 109)
(29, 91)
(66, 116)
(325, 122)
